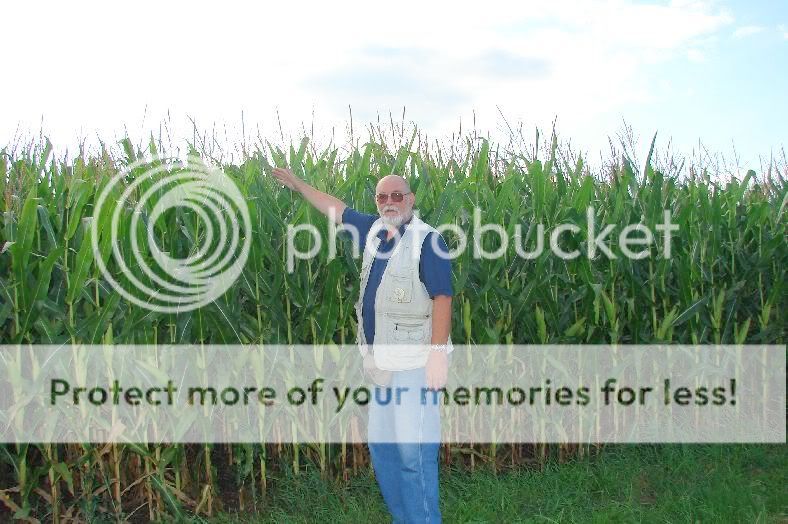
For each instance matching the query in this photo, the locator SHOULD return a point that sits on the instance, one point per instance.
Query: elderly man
(404, 315)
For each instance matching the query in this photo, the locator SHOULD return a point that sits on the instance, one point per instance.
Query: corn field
(723, 284)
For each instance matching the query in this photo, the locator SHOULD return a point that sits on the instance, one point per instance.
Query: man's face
(394, 213)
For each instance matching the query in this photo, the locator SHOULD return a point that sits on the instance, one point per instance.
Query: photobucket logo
(634, 241)
(159, 185)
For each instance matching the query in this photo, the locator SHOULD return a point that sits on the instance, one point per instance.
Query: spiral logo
(211, 205)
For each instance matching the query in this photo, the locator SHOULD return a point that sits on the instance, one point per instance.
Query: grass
(626, 483)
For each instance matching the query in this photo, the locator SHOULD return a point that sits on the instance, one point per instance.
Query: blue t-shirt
(434, 270)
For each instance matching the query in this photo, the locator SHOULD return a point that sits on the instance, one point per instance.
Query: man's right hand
(328, 205)
(286, 177)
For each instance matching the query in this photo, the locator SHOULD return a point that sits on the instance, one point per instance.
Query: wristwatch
(442, 348)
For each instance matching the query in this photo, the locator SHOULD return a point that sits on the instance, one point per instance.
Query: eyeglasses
(396, 196)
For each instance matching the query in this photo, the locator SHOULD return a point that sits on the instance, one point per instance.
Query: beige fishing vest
(403, 308)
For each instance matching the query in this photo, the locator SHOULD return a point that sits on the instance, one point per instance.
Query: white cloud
(781, 28)
(695, 55)
(747, 30)
(98, 65)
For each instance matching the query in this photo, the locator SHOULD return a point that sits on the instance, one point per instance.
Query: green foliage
(727, 265)
(727, 268)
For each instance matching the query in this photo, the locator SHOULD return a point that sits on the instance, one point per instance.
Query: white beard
(395, 220)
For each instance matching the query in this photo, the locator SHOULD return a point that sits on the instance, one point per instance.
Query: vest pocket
(408, 332)
(400, 289)
(405, 355)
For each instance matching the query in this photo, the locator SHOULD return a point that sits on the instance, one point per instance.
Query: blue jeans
(404, 440)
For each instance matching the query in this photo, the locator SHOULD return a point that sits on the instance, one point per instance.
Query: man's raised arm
(323, 202)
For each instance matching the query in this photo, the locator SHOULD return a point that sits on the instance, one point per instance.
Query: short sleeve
(435, 266)
(357, 223)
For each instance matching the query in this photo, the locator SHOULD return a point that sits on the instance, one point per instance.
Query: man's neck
(391, 229)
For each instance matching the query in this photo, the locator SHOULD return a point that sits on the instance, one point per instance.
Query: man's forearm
(441, 319)
(323, 202)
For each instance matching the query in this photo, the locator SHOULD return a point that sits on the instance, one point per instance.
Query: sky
(712, 72)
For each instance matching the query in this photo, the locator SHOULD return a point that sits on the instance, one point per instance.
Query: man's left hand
(437, 369)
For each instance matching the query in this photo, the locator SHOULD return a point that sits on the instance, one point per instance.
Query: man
(404, 314)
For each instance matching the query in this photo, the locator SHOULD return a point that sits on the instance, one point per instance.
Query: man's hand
(286, 177)
(330, 206)
(437, 369)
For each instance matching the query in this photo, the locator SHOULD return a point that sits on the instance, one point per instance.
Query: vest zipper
(403, 315)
